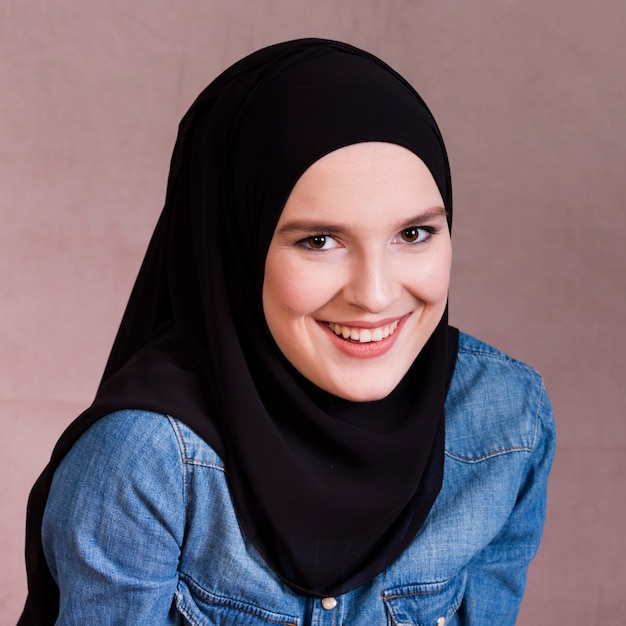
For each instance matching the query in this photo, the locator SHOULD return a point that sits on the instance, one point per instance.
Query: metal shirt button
(441, 621)
(329, 603)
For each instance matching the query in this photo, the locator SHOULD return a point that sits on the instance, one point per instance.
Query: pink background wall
(531, 98)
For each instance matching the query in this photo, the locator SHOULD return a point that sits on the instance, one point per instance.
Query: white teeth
(364, 335)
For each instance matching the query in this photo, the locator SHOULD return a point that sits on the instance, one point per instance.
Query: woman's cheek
(305, 287)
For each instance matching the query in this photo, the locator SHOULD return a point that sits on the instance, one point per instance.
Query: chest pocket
(426, 604)
(199, 607)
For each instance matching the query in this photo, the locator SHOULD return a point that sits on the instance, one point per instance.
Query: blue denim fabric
(140, 529)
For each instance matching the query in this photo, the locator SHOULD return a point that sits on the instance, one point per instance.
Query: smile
(364, 335)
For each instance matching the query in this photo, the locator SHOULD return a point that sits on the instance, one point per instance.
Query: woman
(287, 430)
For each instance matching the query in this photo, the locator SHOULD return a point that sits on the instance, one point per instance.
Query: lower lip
(367, 350)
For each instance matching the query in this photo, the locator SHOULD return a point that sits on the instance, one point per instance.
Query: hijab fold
(330, 492)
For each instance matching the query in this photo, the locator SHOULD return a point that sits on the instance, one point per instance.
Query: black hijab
(329, 491)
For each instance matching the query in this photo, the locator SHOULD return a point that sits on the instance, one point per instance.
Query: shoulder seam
(538, 412)
(183, 453)
(186, 458)
(500, 356)
(494, 353)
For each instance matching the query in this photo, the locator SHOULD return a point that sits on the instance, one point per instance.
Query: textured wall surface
(531, 99)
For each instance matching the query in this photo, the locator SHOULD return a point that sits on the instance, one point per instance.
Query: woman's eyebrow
(310, 226)
(433, 213)
(335, 228)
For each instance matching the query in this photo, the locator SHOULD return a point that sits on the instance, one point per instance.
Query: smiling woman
(287, 430)
(360, 258)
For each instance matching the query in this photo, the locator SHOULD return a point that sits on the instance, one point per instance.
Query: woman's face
(357, 272)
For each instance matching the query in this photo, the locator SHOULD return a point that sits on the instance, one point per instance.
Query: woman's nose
(373, 284)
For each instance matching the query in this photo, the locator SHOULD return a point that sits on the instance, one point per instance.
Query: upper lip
(365, 324)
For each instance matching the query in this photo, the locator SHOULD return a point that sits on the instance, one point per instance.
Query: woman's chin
(362, 390)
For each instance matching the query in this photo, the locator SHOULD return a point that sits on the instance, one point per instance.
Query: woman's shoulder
(479, 364)
(487, 354)
(495, 404)
(133, 460)
(128, 435)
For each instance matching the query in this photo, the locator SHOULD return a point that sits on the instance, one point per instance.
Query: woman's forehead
(374, 181)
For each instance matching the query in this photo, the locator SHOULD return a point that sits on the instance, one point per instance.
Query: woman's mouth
(364, 343)
(363, 335)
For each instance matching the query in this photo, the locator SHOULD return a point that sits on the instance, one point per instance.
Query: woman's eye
(415, 234)
(319, 242)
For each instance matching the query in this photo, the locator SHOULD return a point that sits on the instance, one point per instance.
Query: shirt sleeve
(496, 576)
(114, 523)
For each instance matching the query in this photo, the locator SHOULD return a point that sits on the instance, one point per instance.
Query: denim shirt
(139, 526)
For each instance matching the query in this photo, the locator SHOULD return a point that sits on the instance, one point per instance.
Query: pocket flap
(203, 608)
(424, 604)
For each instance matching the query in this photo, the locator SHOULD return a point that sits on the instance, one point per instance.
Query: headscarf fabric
(330, 492)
